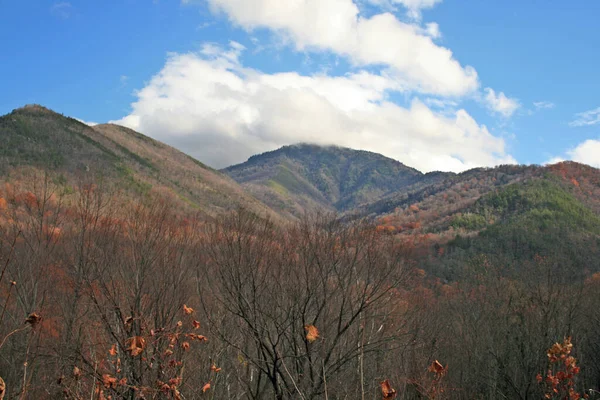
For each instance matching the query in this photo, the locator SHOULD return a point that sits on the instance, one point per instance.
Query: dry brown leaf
(76, 372)
(200, 338)
(387, 391)
(437, 368)
(136, 345)
(109, 381)
(312, 333)
(33, 319)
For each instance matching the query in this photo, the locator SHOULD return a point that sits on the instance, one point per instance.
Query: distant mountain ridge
(302, 178)
(34, 136)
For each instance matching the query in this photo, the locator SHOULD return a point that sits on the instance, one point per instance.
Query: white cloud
(415, 6)
(500, 103)
(86, 122)
(543, 105)
(407, 51)
(219, 111)
(587, 152)
(587, 118)
(433, 29)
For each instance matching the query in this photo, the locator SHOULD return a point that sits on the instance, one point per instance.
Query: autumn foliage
(105, 297)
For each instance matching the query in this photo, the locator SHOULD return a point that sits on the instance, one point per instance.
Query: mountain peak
(305, 177)
(36, 108)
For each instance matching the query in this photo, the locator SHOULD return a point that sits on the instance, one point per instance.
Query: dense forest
(105, 297)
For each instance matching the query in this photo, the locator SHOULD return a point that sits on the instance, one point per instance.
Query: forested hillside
(34, 136)
(305, 178)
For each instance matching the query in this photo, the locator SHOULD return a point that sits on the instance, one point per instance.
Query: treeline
(104, 296)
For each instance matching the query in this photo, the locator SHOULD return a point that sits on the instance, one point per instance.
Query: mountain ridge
(35, 136)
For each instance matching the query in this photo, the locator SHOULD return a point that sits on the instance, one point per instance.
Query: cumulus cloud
(500, 103)
(407, 51)
(587, 118)
(221, 112)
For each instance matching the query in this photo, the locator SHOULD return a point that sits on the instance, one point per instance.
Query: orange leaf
(113, 350)
(312, 333)
(206, 387)
(214, 368)
(387, 391)
(185, 346)
(135, 345)
(196, 324)
(188, 310)
(109, 381)
(437, 368)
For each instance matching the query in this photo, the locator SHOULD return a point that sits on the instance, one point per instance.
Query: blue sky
(436, 84)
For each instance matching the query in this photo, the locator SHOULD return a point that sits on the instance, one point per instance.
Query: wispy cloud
(499, 103)
(586, 118)
(413, 7)
(543, 105)
(62, 9)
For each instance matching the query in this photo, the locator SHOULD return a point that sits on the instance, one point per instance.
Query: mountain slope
(34, 136)
(531, 221)
(305, 177)
(509, 215)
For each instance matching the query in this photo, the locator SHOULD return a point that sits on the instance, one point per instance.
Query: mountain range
(511, 212)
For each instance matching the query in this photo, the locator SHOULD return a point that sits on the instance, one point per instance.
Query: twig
(10, 334)
(325, 381)
(6, 302)
(25, 364)
(294, 382)
(12, 249)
